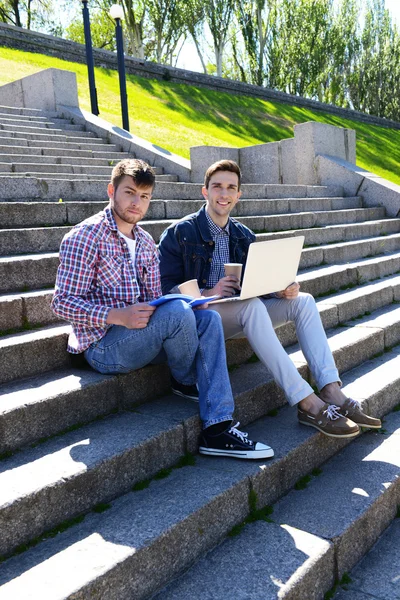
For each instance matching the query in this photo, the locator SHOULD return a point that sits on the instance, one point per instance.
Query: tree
(168, 27)
(13, 11)
(193, 15)
(102, 30)
(218, 15)
(256, 19)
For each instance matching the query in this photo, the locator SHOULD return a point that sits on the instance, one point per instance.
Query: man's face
(222, 194)
(129, 201)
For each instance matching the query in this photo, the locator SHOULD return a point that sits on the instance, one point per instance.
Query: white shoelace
(240, 434)
(354, 403)
(332, 412)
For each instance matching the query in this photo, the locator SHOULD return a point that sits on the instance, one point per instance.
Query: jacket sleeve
(171, 261)
(78, 257)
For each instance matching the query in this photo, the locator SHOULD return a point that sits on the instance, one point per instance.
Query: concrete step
(306, 220)
(377, 571)
(10, 118)
(42, 162)
(30, 353)
(36, 214)
(31, 272)
(346, 252)
(27, 112)
(35, 271)
(29, 309)
(93, 144)
(26, 310)
(62, 152)
(41, 130)
(41, 122)
(31, 240)
(346, 232)
(31, 214)
(52, 402)
(85, 176)
(22, 353)
(124, 547)
(89, 170)
(56, 169)
(48, 139)
(92, 190)
(305, 545)
(48, 239)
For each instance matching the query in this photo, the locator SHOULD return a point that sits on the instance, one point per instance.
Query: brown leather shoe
(329, 421)
(352, 410)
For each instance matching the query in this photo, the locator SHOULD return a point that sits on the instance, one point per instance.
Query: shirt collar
(216, 229)
(110, 220)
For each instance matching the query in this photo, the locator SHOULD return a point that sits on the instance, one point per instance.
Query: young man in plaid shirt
(108, 274)
(198, 246)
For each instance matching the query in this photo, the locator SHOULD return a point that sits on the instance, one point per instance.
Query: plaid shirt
(96, 274)
(220, 235)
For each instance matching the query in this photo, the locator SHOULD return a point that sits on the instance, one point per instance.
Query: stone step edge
(190, 433)
(314, 573)
(167, 221)
(335, 281)
(176, 535)
(339, 298)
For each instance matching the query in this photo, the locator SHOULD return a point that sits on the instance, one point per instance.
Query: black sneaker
(234, 443)
(186, 391)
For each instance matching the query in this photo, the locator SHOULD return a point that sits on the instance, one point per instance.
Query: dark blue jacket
(186, 249)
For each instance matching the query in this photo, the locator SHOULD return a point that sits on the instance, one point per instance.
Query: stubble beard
(125, 216)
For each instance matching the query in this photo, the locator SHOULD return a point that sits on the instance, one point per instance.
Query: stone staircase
(102, 493)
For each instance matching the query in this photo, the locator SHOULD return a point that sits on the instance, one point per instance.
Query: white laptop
(271, 266)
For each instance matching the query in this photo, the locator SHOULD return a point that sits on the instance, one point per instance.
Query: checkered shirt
(220, 235)
(96, 273)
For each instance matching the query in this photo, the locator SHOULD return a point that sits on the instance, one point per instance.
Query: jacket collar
(234, 230)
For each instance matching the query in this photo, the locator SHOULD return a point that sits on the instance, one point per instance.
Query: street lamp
(89, 58)
(117, 13)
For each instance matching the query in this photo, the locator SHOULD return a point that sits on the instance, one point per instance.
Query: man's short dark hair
(222, 165)
(142, 174)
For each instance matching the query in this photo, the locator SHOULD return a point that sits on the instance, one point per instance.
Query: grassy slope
(177, 116)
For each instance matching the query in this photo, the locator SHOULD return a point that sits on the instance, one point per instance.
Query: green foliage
(273, 413)
(302, 483)
(102, 30)
(255, 514)
(101, 507)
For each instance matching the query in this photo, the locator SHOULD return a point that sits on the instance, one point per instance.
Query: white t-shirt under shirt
(131, 246)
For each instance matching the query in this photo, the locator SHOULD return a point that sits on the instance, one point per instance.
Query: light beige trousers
(256, 320)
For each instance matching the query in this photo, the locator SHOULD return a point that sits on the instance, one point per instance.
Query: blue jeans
(193, 342)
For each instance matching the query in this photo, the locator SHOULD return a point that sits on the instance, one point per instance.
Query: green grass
(178, 116)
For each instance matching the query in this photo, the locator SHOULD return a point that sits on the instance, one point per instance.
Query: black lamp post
(117, 13)
(89, 58)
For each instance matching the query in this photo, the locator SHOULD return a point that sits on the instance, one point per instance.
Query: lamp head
(116, 11)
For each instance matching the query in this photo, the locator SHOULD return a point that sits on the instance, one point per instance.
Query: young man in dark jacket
(197, 248)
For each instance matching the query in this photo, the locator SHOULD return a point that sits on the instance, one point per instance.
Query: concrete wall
(46, 90)
(374, 190)
(312, 139)
(15, 37)
(273, 162)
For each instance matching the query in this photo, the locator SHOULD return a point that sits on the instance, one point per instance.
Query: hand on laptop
(226, 287)
(291, 292)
